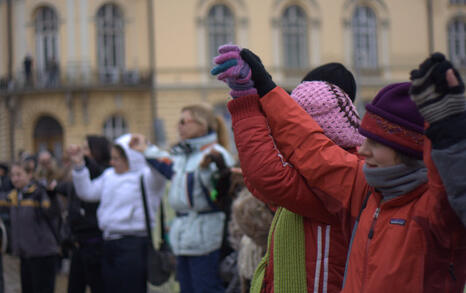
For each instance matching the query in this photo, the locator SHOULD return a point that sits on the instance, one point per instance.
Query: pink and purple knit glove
(232, 70)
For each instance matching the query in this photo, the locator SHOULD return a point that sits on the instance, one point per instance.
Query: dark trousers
(199, 274)
(124, 265)
(38, 274)
(86, 268)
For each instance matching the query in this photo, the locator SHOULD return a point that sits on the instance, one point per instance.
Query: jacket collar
(195, 144)
(403, 199)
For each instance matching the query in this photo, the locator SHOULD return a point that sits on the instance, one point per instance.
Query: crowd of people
(319, 200)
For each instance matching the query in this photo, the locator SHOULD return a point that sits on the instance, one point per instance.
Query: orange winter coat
(413, 243)
(276, 182)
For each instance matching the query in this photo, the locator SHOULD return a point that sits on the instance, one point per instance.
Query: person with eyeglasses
(196, 233)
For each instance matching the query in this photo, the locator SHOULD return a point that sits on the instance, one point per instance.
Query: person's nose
(364, 149)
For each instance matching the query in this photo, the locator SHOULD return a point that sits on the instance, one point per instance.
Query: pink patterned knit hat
(332, 109)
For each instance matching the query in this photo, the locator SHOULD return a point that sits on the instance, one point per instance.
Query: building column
(202, 49)
(314, 43)
(21, 47)
(71, 66)
(84, 40)
(385, 49)
(277, 50)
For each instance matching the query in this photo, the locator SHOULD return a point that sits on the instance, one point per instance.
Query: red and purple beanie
(393, 120)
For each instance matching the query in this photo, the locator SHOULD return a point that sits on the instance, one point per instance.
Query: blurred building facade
(74, 67)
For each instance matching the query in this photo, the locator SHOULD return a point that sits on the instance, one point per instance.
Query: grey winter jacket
(34, 220)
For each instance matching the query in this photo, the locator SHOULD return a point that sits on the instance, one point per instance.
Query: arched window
(364, 24)
(110, 42)
(46, 31)
(295, 41)
(457, 42)
(221, 28)
(114, 127)
(48, 135)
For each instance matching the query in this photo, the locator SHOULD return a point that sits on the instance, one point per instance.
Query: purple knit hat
(393, 120)
(332, 109)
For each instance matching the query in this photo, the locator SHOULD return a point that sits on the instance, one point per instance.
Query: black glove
(434, 98)
(262, 79)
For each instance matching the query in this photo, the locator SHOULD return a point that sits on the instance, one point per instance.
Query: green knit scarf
(289, 259)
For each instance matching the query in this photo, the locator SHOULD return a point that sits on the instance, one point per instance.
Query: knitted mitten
(434, 97)
(234, 71)
(262, 79)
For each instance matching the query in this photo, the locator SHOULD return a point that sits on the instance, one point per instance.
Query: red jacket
(271, 179)
(413, 243)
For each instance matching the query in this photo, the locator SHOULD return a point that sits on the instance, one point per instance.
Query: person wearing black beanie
(334, 73)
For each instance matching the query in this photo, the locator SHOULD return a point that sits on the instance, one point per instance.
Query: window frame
(110, 31)
(295, 38)
(115, 126)
(457, 41)
(221, 28)
(46, 37)
(364, 29)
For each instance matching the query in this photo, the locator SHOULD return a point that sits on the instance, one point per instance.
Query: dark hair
(23, 165)
(99, 146)
(4, 167)
(31, 158)
(121, 151)
(334, 73)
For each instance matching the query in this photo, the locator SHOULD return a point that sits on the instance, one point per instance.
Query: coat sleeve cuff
(244, 107)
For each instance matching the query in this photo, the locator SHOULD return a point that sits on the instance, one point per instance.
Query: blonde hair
(204, 114)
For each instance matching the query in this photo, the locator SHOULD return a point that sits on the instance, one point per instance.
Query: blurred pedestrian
(47, 168)
(120, 213)
(254, 218)
(81, 232)
(33, 230)
(196, 233)
(5, 183)
(5, 187)
(27, 67)
(53, 72)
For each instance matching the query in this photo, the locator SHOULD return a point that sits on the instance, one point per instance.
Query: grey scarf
(396, 180)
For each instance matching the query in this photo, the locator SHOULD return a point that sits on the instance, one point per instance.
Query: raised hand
(437, 89)
(138, 142)
(234, 71)
(262, 79)
(76, 155)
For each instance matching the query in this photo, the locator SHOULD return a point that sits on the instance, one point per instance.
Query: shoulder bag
(161, 261)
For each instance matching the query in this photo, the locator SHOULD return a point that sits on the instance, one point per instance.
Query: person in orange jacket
(406, 235)
(306, 248)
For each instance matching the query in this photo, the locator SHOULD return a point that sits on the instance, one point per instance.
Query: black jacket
(82, 216)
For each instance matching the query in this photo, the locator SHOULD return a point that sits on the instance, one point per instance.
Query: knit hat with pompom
(332, 109)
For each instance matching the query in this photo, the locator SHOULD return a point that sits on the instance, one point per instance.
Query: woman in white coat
(121, 213)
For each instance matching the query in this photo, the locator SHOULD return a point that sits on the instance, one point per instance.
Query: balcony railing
(43, 80)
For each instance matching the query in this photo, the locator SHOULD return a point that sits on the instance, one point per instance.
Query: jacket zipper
(369, 238)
